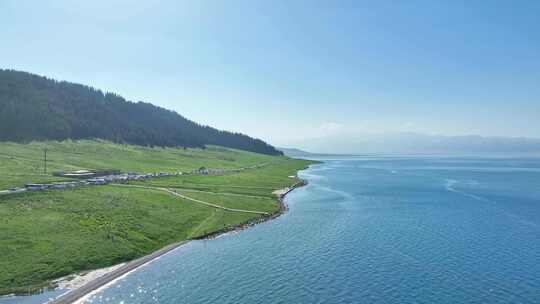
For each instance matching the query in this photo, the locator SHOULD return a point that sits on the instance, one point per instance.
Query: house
(77, 174)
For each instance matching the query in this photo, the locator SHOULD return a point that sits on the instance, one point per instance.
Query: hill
(33, 107)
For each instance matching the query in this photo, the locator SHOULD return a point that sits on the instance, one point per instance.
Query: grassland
(49, 234)
(259, 182)
(24, 163)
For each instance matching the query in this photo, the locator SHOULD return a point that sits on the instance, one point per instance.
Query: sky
(290, 71)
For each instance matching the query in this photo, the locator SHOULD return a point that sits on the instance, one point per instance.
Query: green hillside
(24, 163)
(34, 107)
(53, 233)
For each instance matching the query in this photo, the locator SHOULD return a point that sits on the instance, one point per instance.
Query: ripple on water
(377, 230)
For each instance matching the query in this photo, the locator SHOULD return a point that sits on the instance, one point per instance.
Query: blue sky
(288, 70)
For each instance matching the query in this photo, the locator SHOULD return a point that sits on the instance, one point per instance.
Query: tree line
(33, 107)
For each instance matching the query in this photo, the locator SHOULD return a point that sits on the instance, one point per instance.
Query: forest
(34, 107)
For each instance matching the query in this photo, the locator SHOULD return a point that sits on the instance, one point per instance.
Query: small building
(77, 174)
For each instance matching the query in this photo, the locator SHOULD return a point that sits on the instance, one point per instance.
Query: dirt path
(77, 294)
(193, 199)
(74, 295)
(225, 186)
(220, 193)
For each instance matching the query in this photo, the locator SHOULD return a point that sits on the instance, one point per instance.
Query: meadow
(24, 163)
(260, 182)
(49, 234)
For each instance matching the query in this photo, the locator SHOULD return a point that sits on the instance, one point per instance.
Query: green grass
(260, 182)
(55, 233)
(23, 163)
(235, 201)
(49, 234)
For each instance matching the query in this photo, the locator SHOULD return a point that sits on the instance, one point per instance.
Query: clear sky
(285, 70)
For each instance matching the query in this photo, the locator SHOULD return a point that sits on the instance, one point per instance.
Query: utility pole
(45, 161)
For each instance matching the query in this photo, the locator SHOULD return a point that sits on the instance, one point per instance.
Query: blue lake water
(370, 230)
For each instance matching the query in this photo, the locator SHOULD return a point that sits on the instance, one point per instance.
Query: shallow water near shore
(368, 230)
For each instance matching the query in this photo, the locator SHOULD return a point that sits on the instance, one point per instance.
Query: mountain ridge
(34, 107)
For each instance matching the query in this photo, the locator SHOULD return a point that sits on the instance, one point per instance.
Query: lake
(369, 230)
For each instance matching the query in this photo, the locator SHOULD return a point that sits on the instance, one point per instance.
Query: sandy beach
(75, 281)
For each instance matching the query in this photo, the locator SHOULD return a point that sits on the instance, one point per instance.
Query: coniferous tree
(33, 107)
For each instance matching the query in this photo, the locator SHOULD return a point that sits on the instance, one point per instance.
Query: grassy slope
(234, 201)
(45, 235)
(23, 163)
(260, 182)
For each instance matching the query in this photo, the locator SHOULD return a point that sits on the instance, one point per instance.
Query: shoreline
(91, 281)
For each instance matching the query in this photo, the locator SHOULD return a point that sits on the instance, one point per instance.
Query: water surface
(370, 230)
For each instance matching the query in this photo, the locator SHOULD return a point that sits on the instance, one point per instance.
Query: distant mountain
(33, 107)
(416, 143)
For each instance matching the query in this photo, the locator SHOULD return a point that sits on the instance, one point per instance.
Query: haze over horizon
(297, 73)
(418, 143)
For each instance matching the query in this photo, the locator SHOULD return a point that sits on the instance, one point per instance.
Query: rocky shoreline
(282, 209)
